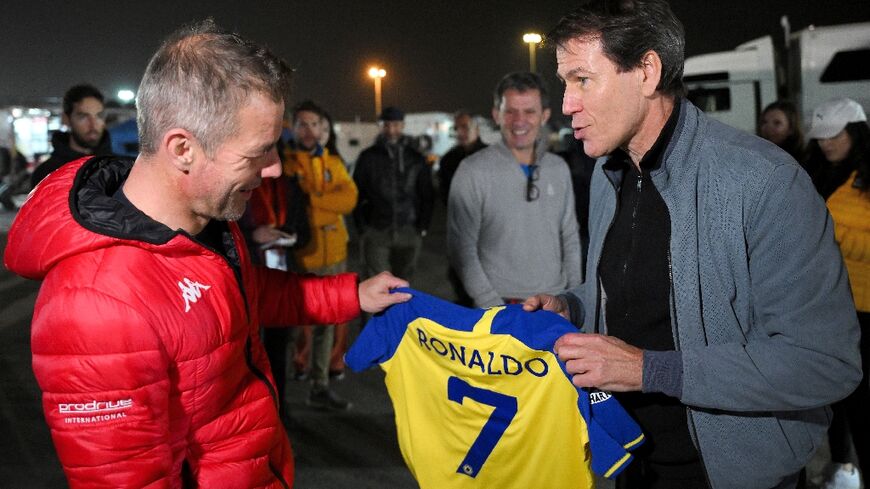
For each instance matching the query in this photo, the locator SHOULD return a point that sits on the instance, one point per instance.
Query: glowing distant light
(532, 38)
(126, 95)
(17, 112)
(376, 72)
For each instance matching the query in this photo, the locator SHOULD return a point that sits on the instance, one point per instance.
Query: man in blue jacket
(715, 300)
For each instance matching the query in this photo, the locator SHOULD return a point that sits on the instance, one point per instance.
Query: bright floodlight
(126, 95)
(376, 72)
(532, 38)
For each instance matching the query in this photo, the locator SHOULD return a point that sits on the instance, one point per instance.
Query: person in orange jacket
(839, 150)
(331, 194)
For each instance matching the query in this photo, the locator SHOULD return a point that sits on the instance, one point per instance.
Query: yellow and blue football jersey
(481, 400)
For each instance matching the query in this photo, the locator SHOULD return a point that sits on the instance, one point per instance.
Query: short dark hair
(78, 93)
(467, 113)
(199, 79)
(521, 81)
(627, 29)
(308, 106)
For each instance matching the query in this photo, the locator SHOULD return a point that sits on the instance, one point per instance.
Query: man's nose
(571, 103)
(273, 168)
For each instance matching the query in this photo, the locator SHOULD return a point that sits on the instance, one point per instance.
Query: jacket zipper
(634, 209)
(249, 356)
(237, 273)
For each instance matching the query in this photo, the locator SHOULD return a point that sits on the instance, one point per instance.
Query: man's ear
(651, 67)
(180, 147)
(496, 116)
(545, 116)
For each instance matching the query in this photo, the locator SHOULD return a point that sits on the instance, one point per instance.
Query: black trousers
(851, 414)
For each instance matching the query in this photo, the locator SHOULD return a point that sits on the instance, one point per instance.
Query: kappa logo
(191, 291)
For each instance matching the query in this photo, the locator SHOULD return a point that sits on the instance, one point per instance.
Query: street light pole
(377, 74)
(532, 39)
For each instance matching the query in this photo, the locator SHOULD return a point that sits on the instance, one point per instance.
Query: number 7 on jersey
(498, 422)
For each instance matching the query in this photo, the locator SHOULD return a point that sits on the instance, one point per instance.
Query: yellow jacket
(850, 209)
(332, 194)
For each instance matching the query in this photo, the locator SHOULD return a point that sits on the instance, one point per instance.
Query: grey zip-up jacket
(762, 315)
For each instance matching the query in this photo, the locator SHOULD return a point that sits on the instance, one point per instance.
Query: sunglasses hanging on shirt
(532, 174)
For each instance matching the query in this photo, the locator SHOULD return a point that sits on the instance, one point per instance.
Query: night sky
(439, 56)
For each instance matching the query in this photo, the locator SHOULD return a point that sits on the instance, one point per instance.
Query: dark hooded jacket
(395, 187)
(63, 153)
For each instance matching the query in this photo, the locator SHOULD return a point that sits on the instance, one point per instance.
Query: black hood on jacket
(94, 206)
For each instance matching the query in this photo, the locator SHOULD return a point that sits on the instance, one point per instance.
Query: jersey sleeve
(613, 418)
(379, 339)
(612, 432)
(609, 458)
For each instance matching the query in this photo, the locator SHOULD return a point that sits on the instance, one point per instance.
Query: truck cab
(817, 64)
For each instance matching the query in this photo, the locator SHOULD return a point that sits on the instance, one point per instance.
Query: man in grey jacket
(716, 305)
(511, 226)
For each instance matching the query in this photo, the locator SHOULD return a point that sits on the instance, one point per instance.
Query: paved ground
(356, 449)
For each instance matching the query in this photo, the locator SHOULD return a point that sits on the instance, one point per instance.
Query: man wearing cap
(395, 202)
(840, 150)
(830, 145)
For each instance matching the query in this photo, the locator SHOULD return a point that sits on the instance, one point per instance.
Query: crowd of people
(720, 285)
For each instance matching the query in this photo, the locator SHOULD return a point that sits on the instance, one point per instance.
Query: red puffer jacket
(145, 342)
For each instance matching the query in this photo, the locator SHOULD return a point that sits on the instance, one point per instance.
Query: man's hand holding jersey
(593, 360)
(375, 295)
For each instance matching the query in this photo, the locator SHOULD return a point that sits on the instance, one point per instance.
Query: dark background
(438, 55)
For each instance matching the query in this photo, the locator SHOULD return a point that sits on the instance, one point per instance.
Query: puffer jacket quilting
(146, 347)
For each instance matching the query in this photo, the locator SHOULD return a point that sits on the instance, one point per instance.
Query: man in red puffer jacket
(145, 334)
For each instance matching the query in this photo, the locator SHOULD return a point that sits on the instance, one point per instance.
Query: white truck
(816, 64)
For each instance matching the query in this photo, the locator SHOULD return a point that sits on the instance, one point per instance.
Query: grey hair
(199, 79)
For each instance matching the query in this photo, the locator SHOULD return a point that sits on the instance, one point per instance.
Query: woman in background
(780, 124)
(840, 147)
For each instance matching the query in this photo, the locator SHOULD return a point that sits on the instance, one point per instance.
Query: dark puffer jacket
(395, 187)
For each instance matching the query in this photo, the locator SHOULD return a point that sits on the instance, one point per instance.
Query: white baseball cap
(832, 116)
